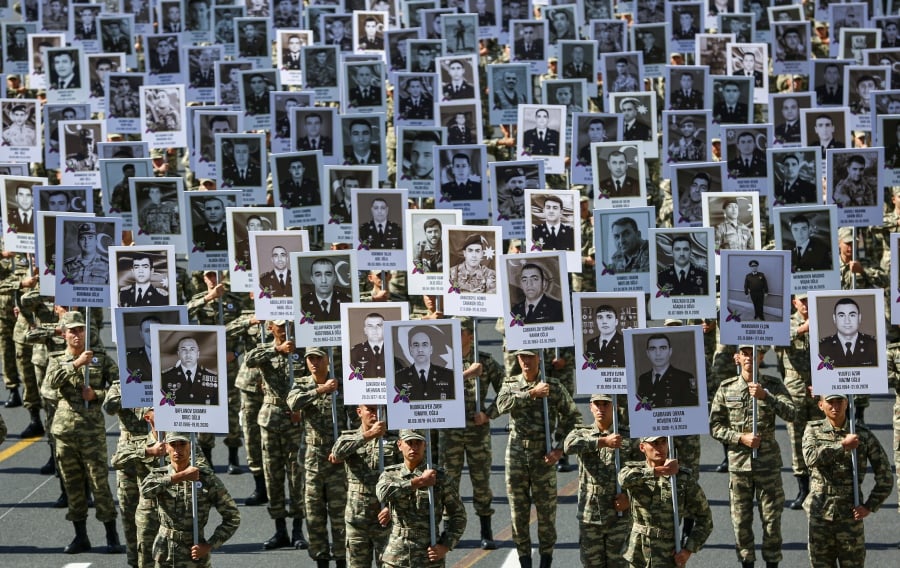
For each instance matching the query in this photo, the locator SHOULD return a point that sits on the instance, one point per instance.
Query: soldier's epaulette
(815, 422)
(583, 426)
(162, 292)
(170, 369)
(393, 467)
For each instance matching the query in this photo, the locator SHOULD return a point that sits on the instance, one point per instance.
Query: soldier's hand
(83, 359)
(215, 293)
(682, 557)
(474, 370)
(190, 473)
(861, 512)
(156, 450)
(230, 357)
(377, 430)
(285, 348)
(803, 328)
(621, 502)
(327, 387)
(333, 460)
(428, 478)
(201, 550)
(384, 516)
(612, 441)
(750, 440)
(855, 267)
(8, 254)
(87, 393)
(757, 391)
(481, 418)
(541, 390)
(29, 282)
(850, 442)
(559, 363)
(437, 552)
(666, 469)
(553, 457)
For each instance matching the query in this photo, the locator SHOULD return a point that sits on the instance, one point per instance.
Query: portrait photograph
(610, 35)
(298, 178)
(208, 123)
(378, 217)
(254, 88)
(732, 100)
(458, 77)
(144, 276)
(228, 78)
(421, 54)
(45, 247)
(618, 176)
(791, 47)
(288, 50)
(330, 27)
(202, 71)
(572, 94)
(425, 248)
(63, 199)
(827, 81)
(135, 349)
(540, 134)
(254, 40)
(622, 72)
(638, 112)
(744, 152)
(682, 268)
(272, 273)
(689, 182)
(78, 144)
(623, 259)
(415, 104)
(666, 369)
(710, 49)
(207, 231)
(396, 50)
(416, 159)
(323, 281)
(470, 275)
(241, 157)
(116, 34)
(240, 221)
(528, 43)
(83, 245)
(15, 45)
(318, 67)
(99, 66)
(853, 42)
(338, 201)
(861, 82)
(462, 120)
(651, 41)
(162, 116)
(686, 137)
(588, 128)
(156, 210)
(83, 24)
(808, 233)
(114, 174)
(750, 60)
(363, 90)
(364, 339)
(20, 125)
(424, 363)
(785, 113)
(895, 277)
(460, 33)
(459, 182)
(599, 343)
(67, 74)
(508, 184)
(847, 341)
(38, 43)
(826, 128)
(362, 136)
(123, 103)
(887, 134)
(755, 289)
(687, 20)
(189, 384)
(163, 63)
(537, 300)
(688, 90)
(795, 176)
(854, 180)
(312, 129)
(368, 31)
(734, 216)
(577, 60)
(553, 223)
(18, 212)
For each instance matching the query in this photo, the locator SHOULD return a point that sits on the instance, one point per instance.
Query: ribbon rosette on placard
(141, 231)
(643, 404)
(334, 220)
(733, 315)
(825, 362)
(199, 246)
(364, 245)
(454, 288)
(50, 268)
(664, 290)
(607, 269)
(307, 318)
(418, 267)
(67, 278)
(356, 374)
(445, 197)
(167, 399)
(10, 230)
(266, 292)
(402, 395)
(240, 266)
(517, 319)
(602, 195)
(134, 376)
(538, 245)
(589, 363)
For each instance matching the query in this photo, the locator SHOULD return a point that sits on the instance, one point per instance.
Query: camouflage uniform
(751, 476)
(79, 431)
(602, 532)
(92, 271)
(652, 539)
(12, 286)
(473, 443)
(9, 285)
(894, 382)
(833, 533)
(2, 430)
(528, 479)
(280, 430)
(159, 218)
(410, 531)
(325, 495)
(366, 538)
(172, 547)
(733, 236)
(586, 280)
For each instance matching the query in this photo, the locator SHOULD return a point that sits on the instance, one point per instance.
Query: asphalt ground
(33, 534)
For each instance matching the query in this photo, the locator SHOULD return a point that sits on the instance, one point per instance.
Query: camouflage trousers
(146, 522)
(768, 490)
(129, 493)
(31, 394)
(80, 461)
(251, 403)
(471, 445)
(807, 410)
(325, 497)
(8, 354)
(897, 435)
(834, 541)
(531, 481)
(366, 540)
(280, 450)
(601, 545)
(171, 552)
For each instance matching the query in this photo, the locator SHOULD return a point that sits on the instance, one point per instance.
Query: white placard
(687, 296)
(425, 249)
(271, 277)
(536, 302)
(815, 265)
(135, 349)
(756, 298)
(318, 277)
(364, 370)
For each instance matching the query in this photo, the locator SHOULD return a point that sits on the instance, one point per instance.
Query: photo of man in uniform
(537, 307)
(142, 292)
(788, 132)
(277, 281)
(89, 266)
(511, 194)
(849, 347)
(807, 253)
(854, 190)
(368, 357)
(619, 183)
(139, 359)
(529, 47)
(457, 88)
(157, 216)
(212, 232)
(791, 188)
(750, 161)
(188, 381)
(298, 190)
(541, 140)
(756, 286)
(361, 150)
(239, 168)
(633, 129)
(20, 218)
(732, 233)
(462, 187)
(381, 233)
(683, 277)
(428, 253)
(423, 380)
(552, 233)
(322, 300)
(632, 252)
(607, 350)
(473, 275)
(665, 386)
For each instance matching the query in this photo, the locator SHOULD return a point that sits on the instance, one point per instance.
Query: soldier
(403, 488)
(170, 489)
(428, 252)
(756, 287)
(326, 483)
(836, 531)
(473, 443)
(249, 383)
(753, 476)
(732, 234)
(365, 518)
(23, 281)
(530, 474)
(603, 517)
(649, 488)
(80, 378)
(472, 275)
(158, 217)
(281, 432)
(10, 277)
(368, 356)
(683, 277)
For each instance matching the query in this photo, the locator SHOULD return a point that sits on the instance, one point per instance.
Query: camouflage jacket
(360, 457)
(491, 376)
(526, 415)
(274, 375)
(74, 420)
(316, 411)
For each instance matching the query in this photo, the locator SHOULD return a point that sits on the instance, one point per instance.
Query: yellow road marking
(18, 447)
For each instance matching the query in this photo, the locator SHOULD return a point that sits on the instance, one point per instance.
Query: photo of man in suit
(188, 381)
(142, 292)
(423, 380)
(380, 233)
(552, 233)
(322, 300)
(64, 70)
(367, 89)
(683, 277)
(20, 218)
(277, 281)
(807, 253)
(416, 103)
(17, 47)
(212, 232)
(361, 150)
(619, 183)
(633, 129)
(240, 170)
(203, 75)
(462, 187)
(790, 188)
(139, 359)
(537, 307)
(314, 139)
(730, 109)
(368, 357)
(530, 47)
(750, 161)
(298, 190)
(607, 349)
(165, 58)
(824, 130)
(788, 132)
(665, 386)
(849, 347)
(541, 140)
(686, 97)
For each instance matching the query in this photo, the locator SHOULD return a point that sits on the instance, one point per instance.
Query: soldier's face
(629, 111)
(323, 278)
(791, 169)
(516, 185)
(602, 411)
(474, 255)
(731, 94)
(542, 118)
(155, 194)
(75, 337)
(698, 186)
(532, 283)
(659, 352)
(420, 348)
(461, 168)
(745, 145)
(188, 352)
(379, 211)
(855, 171)
(731, 211)
(58, 202)
(415, 89)
(564, 96)
(846, 319)
(179, 453)
(607, 322)
(627, 240)
(424, 57)
(790, 110)
(214, 211)
(687, 82)
(421, 158)
(279, 258)
(617, 166)
(681, 252)
(361, 138)
(596, 132)
(145, 331)
(317, 364)
(87, 242)
(864, 88)
(552, 212)
(835, 409)
(824, 128)
(529, 364)
(456, 71)
(433, 235)
(368, 414)
(241, 155)
(412, 450)
(254, 225)
(296, 170)
(800, 232)
(657, 451)
(142, 270)
(373, 328)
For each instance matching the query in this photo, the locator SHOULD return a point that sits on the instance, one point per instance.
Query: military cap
(72, 319)
(651, 438)
(279, 323)
(411, 435)
(834, 396)
(601, 396)
(753, 263)
(474, 240)
(669, 322)
(687, 120)
(525, 353)
(895, 190)
(316, 352)
(510, 173)
(845, 234)
(87, 229)
(177, 437)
